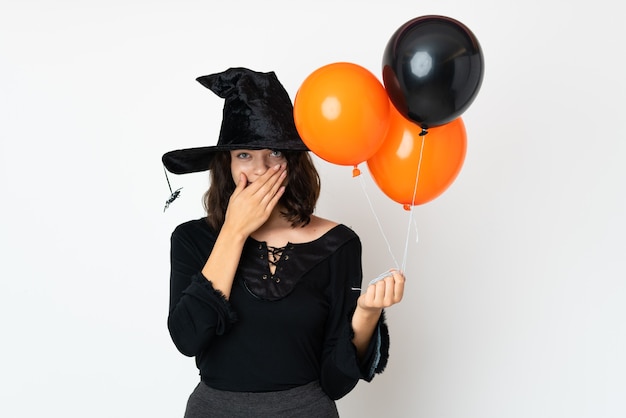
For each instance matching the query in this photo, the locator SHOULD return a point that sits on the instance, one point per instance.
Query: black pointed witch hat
(258, 114)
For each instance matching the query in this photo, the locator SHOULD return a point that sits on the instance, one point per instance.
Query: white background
(516, 298)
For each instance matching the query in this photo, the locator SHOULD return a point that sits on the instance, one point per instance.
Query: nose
(261, 165)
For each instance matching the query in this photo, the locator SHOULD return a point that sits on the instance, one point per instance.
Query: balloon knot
(356, 172)
(424, 131)
(406, 207)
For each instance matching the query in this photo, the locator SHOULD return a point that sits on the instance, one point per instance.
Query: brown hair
(298, 201)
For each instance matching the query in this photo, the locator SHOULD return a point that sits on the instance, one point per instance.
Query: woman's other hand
(384, 293)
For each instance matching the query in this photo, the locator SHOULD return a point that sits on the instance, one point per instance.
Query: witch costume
(281, 344)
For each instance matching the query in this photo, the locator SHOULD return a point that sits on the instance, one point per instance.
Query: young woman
(264, 294)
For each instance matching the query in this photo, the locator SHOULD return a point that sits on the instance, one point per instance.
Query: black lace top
(280, 328)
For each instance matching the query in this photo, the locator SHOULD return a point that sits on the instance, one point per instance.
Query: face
(253, 163)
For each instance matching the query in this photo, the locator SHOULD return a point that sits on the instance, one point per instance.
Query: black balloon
(432, 69)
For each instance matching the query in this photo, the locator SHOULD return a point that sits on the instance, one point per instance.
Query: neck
(276, 220)
(274, 224)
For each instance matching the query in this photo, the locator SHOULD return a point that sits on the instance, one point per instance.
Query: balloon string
(378, 221)
(408, 231)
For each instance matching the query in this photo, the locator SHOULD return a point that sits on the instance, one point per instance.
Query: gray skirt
(303, 402)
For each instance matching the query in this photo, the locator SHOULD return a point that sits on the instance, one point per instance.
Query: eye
(276, 154)
(242, 155)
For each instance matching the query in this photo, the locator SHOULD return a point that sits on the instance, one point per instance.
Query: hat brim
(189, 160)
(193, 160)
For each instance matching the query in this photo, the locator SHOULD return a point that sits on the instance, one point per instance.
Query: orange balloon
(341, 112)
(394, 167)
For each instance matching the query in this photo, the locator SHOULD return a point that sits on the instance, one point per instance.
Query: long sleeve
(197, 312)
(341, 369)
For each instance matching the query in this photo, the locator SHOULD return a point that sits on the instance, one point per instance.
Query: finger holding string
(383, 293)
